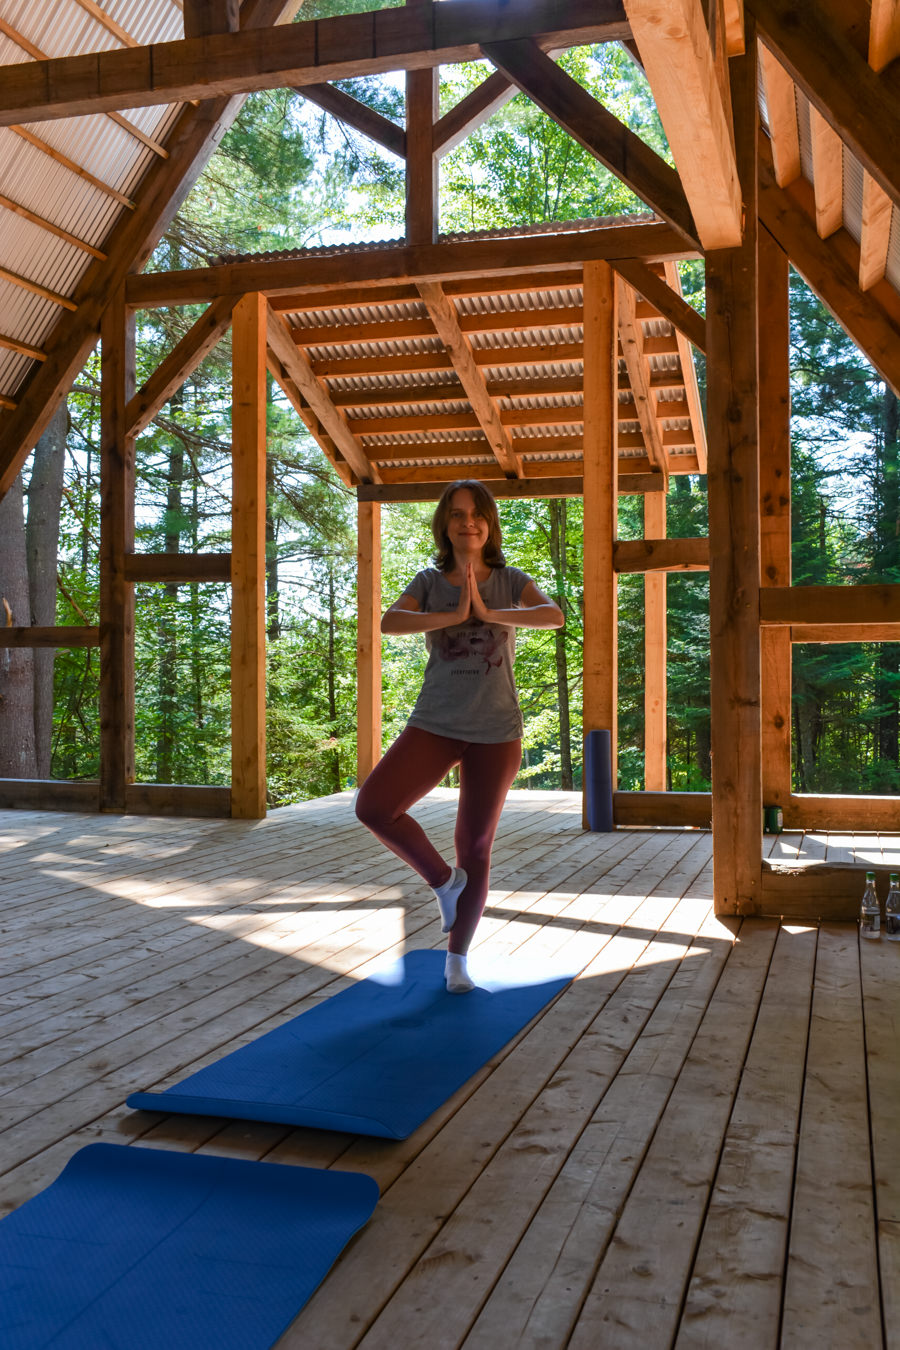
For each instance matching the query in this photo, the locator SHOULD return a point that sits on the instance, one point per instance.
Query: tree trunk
(196, 664)
(17, 750)
(888, 666)
(273, 617)
(332, 687)
(42, 552)
(558, 558)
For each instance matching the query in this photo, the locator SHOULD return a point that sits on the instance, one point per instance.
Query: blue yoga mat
(143, 1249)
(376, 1058)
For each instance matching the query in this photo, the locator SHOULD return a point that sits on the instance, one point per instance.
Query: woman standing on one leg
(467, 712)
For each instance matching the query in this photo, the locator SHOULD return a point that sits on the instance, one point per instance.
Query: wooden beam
(202, 17)
(655, 650)
(190, 142)
(345, 47)
(548, 253)
(637, 483)
(182, 361)
(884, 33)
(248, 560)
(831, 269)
(178, 568)
(733, 491)
(36, 289)
(652, 810)
(48, 794)
(309, 419)
(841, 632)
(808, 811)
(665, 299)
(775, 512)
(14, 345)
(368, 638)
(875, 233)
(403, 292)
(597, 130)
(659, 554)
(18, 209)
(357, 115)
(470, 112)
(675, 50)
(72, 165)
(62, 636)
(421, 161)
(695, 409)
(828, 174)
(297, 366)
(734, 27)
(178, 799)
(116, 540)
(831, 605)
(444, 317)
(500, 487)
(862, 107)
(814, 891)
(631, 338)
(600, 649)
(391, 329)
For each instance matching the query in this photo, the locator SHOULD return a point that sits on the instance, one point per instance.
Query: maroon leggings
(415, 763)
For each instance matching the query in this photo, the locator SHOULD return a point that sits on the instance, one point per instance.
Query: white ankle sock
(447, 896)
(456, 974)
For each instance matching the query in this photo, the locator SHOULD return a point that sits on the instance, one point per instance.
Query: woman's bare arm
(404, 615)
(536, 610)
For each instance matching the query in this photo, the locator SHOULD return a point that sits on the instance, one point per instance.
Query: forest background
(288, 176)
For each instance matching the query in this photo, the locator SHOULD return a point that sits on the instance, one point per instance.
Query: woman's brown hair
(484, 502)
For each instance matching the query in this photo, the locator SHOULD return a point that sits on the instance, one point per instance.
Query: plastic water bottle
(869, 910)
(892, 910)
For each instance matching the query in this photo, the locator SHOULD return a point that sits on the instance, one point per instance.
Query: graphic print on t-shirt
(480, 646)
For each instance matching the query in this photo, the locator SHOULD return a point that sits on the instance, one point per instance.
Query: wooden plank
(831, 1284)
(828, 174)
(843, 632)
(500, 487)
(860, 106)
(443, 316)
(421, 161)
(663, 297)
(811, 811)
(116, 540)
(600, 650)
(653, 809)
(61, 636)
(884, 33)
(368, 638)
(733, 490)
(297, 54)
(174, 369)
(18, 209)
(455, 260)
(296, 365)
(177, 799)
(248, 559)
(734, 1297)
(661, 554)
(190, 141)
(357, 115)
(308, 418)
(875, 235)
(631, 339)
(775, 513)
(179, 568)
(655, 653)
(831, 269)
(664, 1211)
(24, 348)
(830, 605)
(674, 44)
(30, 794)
(593, 127)
(815, 890)
(781, 108)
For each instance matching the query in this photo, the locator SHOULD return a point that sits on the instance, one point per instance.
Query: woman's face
(467, 528)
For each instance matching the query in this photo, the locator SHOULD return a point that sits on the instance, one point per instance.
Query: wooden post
(655, 628)
(116, 541)
(733, 489)
(248, 559)
(421, 161)
(204, 17)
(368, 639)
(775, 513)
(600, 502)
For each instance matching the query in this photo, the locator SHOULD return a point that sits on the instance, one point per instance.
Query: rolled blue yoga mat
(377, 1058)
(144, 1249)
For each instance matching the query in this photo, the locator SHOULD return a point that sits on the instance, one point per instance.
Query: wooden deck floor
(690, 1147)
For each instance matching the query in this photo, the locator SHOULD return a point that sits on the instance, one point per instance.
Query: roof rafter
(355, 114)
(631, 339)
(665, 298)
(781, 105)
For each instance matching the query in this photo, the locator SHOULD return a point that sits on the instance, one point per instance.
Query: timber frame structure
(551, 361)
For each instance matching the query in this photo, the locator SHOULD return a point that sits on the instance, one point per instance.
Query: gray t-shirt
(469, 690)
